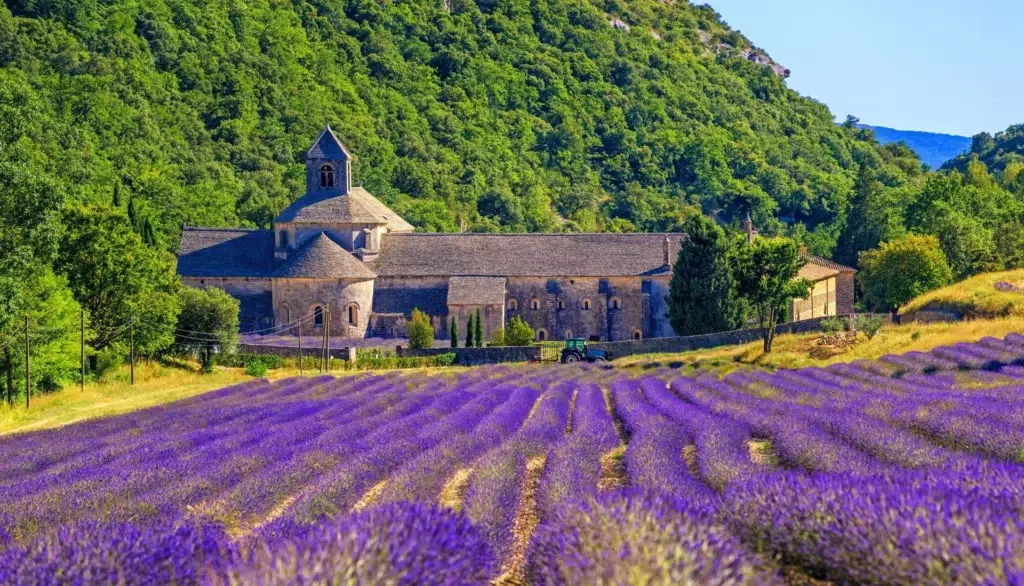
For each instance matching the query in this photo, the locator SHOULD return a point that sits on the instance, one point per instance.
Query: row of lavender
(901, 471)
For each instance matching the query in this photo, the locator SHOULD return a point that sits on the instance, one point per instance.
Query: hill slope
(995, 151)
(504, 115)
(933, 148)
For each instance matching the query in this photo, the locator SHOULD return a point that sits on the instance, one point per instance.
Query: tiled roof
(327, 146)
(828, 264)
(357, 207)
(322, 258)
(476, 291)
(814, 272)
(526, 255)
(226, 252)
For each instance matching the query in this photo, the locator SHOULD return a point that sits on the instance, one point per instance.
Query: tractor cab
(576, 350)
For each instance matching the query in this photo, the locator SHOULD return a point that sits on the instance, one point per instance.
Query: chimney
(748, 226)
(668, 252)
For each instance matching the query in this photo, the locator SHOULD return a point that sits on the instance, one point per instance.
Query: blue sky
(952, 66)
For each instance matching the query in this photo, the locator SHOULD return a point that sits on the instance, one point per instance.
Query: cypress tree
(702, 295)
(131, 210)
(469, 332)
(454, 333)
(148, 234)
(117, 194)
(479, 331)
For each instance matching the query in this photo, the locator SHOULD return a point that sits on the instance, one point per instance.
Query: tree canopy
(902, 269)
(702, 293)
(766, 277)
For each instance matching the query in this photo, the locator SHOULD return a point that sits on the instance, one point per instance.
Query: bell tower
(328, 166)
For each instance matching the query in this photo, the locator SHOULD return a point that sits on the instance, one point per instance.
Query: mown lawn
(976, 297)
(801, 350)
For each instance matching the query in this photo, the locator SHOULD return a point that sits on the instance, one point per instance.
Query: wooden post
(300, 349)
(131, 344)
(28, 367)
(82, 355)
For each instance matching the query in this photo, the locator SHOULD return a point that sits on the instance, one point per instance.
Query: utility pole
(300, 349)
(28, 367)
(131, 343)
(82, 385)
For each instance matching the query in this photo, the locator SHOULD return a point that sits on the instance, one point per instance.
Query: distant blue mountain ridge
(933, 148)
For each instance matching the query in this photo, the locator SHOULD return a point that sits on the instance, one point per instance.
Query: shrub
(916, 335)
(870, 324)
(498, 337)
(834, 325)
(519, 333)
(256, 368)
(241, 360)
(421, 333)
(108, 360)
(446, 359)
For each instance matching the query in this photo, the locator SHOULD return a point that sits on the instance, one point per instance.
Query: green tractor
(576, 350)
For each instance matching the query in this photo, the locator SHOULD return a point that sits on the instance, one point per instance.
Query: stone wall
(610, 309)
(478, 356)
(844, 293)
(293, 351)
(687, 343)
(388, 325)
(492, 317)
(295, 298)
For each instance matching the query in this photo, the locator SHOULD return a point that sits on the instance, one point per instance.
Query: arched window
(326, 176)
(513, 305)
(542, 335)
(535, 303)
(614, 303)
(561, 305)
(353, 315)
(318, 316)
(568, 335)
(585, 304)
(637, 335)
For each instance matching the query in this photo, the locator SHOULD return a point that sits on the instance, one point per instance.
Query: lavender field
(906, 470)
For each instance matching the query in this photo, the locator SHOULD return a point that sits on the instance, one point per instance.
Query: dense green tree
(767, 278)
(470, 332)
(208, 323)
(54, 319)
(484, 117)
(702, 295)
(121, 282)
(519, 333)
(453, 333)
(420, 331)
(900, 270)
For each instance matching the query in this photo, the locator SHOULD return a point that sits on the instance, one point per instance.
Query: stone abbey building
(339, 248)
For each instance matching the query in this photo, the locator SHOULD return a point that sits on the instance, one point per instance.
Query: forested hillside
(997, 152)
(509, 115)
(933, 148)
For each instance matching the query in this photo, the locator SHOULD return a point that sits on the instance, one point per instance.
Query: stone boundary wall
(293, 351)
(478, 356)
(687, 343)
(928, 316)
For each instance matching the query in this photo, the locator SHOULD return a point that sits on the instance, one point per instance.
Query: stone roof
(327, 146)
(226, 252)
(814, 273)
(829, 264)
(526, 255)
(476, 291)
(357, 207)
(322, 258)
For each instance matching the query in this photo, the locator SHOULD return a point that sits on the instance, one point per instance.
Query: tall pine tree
(862, 231)
(702, 295)
(469, 332)
(454, 333)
